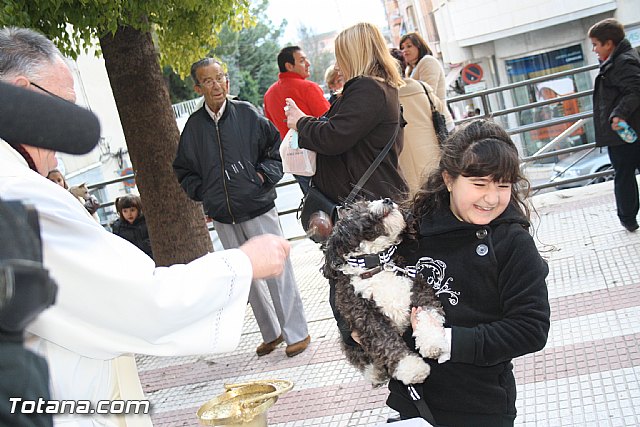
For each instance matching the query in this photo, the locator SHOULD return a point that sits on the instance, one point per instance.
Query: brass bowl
(243, 404)
(282, 386)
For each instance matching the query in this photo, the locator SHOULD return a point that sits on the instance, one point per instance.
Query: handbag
(315, 201)
(438, 119)
(296, 160)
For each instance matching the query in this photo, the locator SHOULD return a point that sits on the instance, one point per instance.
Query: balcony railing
(185, 108)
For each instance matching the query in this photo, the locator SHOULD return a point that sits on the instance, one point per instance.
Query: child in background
(469, 237)
(131, 225)
(56, 176)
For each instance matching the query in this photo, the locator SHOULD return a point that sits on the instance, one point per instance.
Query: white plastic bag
(295, 160)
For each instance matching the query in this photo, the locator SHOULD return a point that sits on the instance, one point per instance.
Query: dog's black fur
(382, 348)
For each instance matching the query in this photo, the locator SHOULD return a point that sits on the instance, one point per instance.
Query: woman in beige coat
(421, 151)
(420, 64)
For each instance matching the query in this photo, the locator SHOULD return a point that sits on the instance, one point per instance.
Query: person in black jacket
(468, 237)
(228, 158)
(132, 225)
(616, 99)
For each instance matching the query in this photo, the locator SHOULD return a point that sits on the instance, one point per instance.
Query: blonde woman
(359, 123)
(356, 128)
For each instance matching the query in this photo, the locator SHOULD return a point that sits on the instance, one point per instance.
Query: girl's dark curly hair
(477, 148)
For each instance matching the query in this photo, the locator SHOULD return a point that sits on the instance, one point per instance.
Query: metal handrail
(537, 104)
(550, 122)
(557, 152)
(565, 133)
(523, 83)
(185, 108)
(590, 176)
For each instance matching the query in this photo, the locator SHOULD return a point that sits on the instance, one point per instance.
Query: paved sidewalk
(588, 374)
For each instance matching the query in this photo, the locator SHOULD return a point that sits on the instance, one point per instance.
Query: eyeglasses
(49, 92)
(220, 79)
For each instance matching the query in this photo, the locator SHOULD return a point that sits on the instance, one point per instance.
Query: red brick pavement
(549, 364)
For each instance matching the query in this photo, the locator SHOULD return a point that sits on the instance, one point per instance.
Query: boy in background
(616, 99)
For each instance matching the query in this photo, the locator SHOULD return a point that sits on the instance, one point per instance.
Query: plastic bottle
(626, 132)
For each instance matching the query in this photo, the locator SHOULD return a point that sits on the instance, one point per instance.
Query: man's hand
(267, 254)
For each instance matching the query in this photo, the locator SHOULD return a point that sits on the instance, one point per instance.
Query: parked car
(573, 166)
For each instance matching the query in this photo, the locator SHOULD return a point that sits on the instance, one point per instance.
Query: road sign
(472, 73)
(129, 183)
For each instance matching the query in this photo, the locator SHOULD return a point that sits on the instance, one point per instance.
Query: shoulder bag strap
(421, 405)
(433, 107)
(356, 189)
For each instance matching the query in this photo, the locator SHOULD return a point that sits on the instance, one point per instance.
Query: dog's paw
(412, 370)
(429, 334)
(376, 376)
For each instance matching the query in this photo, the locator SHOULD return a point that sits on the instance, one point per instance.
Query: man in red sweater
(292, 83)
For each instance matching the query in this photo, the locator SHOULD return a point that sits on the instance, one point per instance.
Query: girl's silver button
(482, 249)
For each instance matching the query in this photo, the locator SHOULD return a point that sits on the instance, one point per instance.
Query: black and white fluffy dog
(375, 293)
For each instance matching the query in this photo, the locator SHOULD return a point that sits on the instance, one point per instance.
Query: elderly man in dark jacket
(228, 159)
(616, 99)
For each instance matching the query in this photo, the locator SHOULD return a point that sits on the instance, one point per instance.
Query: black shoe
(393, 419)
(630, 226)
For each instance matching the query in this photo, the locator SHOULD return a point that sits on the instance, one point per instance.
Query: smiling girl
(469, 238)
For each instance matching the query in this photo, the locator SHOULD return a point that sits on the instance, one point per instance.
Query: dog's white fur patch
(392, 293)
(430, 339)
(412, 370)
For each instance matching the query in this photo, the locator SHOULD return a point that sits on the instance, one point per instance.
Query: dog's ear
(332, 259)
(340, 241)
(332, 252)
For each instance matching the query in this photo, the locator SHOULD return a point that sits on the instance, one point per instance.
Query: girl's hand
(355, 336)
(293, 114)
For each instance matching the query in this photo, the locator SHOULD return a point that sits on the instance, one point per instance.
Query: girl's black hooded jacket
(491, 282)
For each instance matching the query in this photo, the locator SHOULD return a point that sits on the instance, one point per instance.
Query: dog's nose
(387, 201)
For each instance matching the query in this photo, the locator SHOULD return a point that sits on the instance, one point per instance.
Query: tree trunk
(176, 224)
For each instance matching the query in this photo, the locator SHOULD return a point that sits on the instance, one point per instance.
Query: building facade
(512, 41)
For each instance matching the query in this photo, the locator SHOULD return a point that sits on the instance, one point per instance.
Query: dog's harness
(375, 263)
